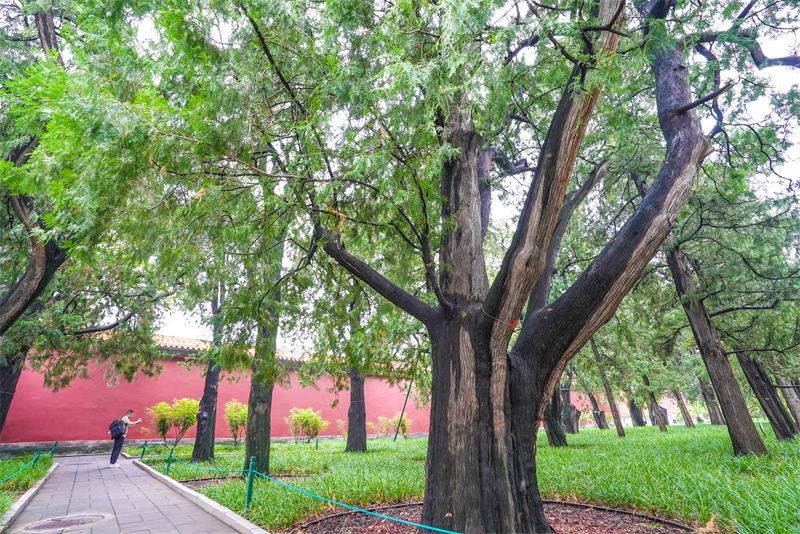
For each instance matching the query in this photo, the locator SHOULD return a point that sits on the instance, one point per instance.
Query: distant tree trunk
(10, 372)
(356, 414)
(637, 417)
(612, 404)
(570, 415)
(789, 394)
(598, 414)
(656, 417)
(687, 418)
(205, 438)
(714, 413)
(744, 436)
(767, 396)
(552, 422)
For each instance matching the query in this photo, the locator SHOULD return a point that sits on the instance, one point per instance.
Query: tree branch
(386, 288)
(683, 109)
(745, 307)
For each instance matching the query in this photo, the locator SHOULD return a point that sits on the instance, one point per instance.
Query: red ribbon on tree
(513, 324)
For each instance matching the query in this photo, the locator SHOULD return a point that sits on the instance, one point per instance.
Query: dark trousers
(117, 448)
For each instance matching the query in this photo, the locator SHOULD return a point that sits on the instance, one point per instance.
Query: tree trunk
(568, 416)
(259, 414)
(598, 414)
(744, 436)
(767, 396)
(789, 394)
(612, 404)
(714, 413)
(656, 417)
(552, 422)
(687, 418)
(10, 372)
(203, 450)
(356, 414)
(637, 417)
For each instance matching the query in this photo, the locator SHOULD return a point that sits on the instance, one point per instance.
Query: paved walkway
(132, 501)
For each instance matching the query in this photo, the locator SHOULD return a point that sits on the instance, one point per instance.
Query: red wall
(84, 410)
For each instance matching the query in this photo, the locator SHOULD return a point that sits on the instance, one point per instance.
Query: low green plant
(342, 426)
(236, 415)
(305, 424)
(11, 489)
(386, 427)
(181, 415)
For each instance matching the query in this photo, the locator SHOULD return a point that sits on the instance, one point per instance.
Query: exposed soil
(564, 518)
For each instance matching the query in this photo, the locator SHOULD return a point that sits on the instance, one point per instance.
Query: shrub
(236, 415)
(385, 426)
(305, 424)
(180, 416)
(342, 426)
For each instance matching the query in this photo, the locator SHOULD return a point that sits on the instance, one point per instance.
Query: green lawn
(687, 475)
(11, 489)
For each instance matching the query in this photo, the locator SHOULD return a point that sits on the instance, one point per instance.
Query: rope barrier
(357, 509)
(209, 468)
(34, 462)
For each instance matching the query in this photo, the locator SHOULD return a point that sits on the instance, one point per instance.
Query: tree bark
(656, 417)
(10, 372)
(767, 396)
(687, 418)
(552, 422)
(744, 436)
(789, 394)
(569, 418)
(612, 403)
(637, 417)
(356, 414)
(714, 413)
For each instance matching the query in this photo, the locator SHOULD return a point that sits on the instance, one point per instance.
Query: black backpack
(116, 428)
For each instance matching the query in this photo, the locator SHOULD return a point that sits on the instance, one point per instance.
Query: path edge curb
(23, 501)
(226, 515)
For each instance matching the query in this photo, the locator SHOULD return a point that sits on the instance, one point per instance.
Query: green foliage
(236, 415)
(342, 426)
(11, 489)
(179, 416)
(305, 424)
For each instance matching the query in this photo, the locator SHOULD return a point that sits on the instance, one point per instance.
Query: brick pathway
(132, 501)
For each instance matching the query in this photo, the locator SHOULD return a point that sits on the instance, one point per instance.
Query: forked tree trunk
(767, 396)
(556, 437)
(481, 464)
(10, 372)
(637, 416)
(789, 393)
(356, 414)
(612, 403)
(714, 413)
(744, 436)
(687, 418)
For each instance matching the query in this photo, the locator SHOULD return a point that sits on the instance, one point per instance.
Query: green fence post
(53, 452)
(400, 422)
(36, 459)
(144, 448)
(317, 446)
(250, 473)
(169, 461)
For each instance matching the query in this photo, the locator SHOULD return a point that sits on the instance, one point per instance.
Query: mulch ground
(565, 519)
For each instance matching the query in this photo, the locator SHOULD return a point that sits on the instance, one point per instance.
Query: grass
(687, 475)
(11, 489)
